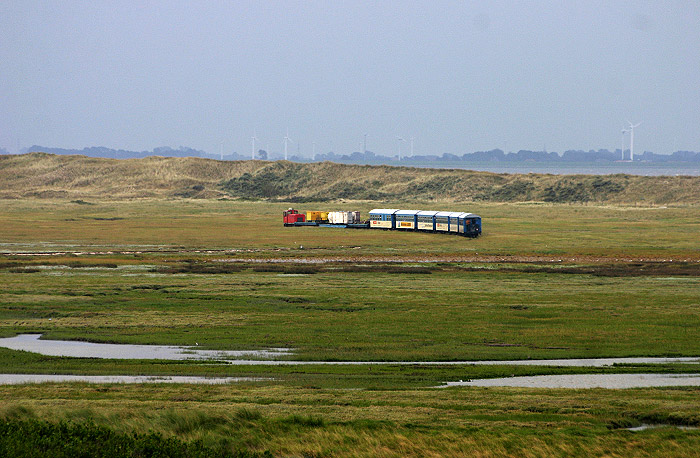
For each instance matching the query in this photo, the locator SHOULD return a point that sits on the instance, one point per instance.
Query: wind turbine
(313, 150)
(221, 150)
(252, 139)
(286, 139)
(623, 144)
(364, 150)
(632, 126)
(412, 138)
(399, 139)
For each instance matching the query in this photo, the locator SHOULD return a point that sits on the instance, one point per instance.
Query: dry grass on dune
(46, 175)
(43, 175)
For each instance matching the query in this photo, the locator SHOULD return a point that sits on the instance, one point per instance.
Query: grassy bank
(324, 423)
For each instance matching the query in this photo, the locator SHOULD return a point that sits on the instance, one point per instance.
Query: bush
(38, 439)
(202, 268)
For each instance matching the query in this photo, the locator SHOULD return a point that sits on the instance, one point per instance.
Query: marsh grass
(253, 229)
(609, 283)
(33, 438)
(507, 312)
(312, 422)
(200, 268)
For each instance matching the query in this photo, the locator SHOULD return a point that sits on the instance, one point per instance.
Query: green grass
(312, 422)
(357, 316)
(254, 229)
(33, 438)
(545, 281)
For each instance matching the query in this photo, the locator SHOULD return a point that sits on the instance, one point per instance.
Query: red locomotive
(292, 216)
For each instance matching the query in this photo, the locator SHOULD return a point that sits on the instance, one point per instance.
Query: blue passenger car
(426, 220)
(462, 223)
(470, 225)
(407, 219)
(382, 218)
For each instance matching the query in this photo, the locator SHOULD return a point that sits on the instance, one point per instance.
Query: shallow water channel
(18, 379)
(33, 343)
(578, 381)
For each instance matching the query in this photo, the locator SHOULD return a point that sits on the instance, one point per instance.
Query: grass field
(336, 315)
(544, 281)
(255, 228)
(387, 423)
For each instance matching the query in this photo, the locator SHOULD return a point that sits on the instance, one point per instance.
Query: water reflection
(32, 343)
(17, 379)
(611, 381)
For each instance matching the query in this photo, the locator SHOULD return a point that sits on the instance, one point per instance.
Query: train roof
(383, 211)
(407, 212)
(455, 214)
(391, 211)
(450, 214)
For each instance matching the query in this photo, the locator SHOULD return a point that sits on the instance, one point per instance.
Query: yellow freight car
(316, 216)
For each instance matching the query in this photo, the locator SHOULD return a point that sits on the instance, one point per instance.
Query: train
(448, 222)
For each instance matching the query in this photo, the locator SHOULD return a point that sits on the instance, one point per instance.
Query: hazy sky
(458, 76)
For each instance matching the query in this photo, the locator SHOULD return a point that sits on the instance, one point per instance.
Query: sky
(457, 76)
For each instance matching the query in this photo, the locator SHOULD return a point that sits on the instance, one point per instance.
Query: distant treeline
(368, 157)
(497, 155)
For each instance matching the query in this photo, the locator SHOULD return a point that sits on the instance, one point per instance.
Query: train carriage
(407, 219)
(442, 221)
(382, 218)
(453, 221)
(462, 223)
(426, 220)
(470, 225)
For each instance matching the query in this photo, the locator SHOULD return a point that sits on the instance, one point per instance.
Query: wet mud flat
(598, 267)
